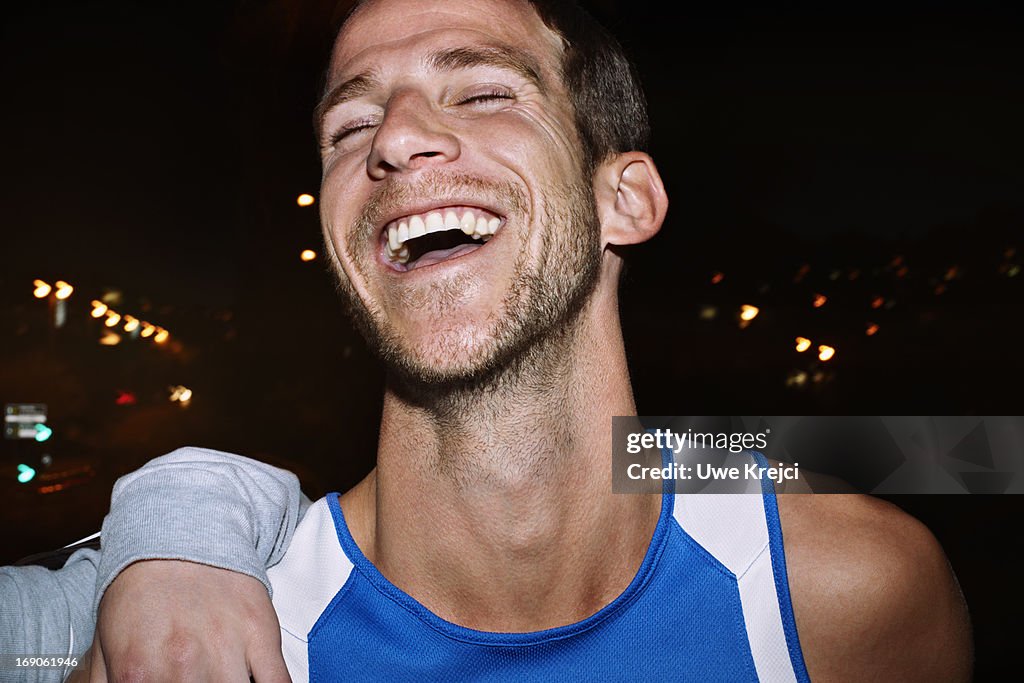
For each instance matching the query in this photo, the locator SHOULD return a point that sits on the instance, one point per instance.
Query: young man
(482, 169)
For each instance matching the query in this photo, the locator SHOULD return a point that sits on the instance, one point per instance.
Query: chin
(456, 357)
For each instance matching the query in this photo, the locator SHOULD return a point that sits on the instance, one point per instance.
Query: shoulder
(873, 594)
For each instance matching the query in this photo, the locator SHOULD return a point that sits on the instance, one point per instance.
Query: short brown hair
(603, 85)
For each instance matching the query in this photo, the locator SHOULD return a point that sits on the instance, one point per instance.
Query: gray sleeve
(203, 506)
(46, 612)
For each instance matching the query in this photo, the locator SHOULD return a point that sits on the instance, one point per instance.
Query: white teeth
(479, 227)
(434, 221)
(468, 222)
(416, 228)
(417, 222)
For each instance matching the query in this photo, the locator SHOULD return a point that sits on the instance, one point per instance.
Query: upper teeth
(473, 222)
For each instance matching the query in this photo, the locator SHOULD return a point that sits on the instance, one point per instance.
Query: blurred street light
(825, 353)
(130, 324)
(64, 290)
(43, 433)
(126, 398)
(161, 335)
(748, 312)
(305, 200)
(717, 277)
(147, 330)
(112, 319)
(820, 300)
(99, 309)
(802, 344)
(307, 255)
(25, 473)
(708, 313)
(872, 330)
(110, 338)
(797, 378)
(180, 394)
(42, 289)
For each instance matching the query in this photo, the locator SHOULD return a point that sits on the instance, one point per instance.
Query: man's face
(454, 199)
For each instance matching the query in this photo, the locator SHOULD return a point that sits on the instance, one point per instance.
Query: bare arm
(873, 594)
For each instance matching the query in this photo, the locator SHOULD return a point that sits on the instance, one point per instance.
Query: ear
(631, 199)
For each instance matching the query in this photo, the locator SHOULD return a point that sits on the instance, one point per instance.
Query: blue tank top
(710, 602)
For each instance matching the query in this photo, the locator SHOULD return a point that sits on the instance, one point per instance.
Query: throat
(560, 551)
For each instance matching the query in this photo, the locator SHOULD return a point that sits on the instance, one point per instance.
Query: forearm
(203, 506)
(46, 612)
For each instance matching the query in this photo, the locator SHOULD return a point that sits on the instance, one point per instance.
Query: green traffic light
(43, 433)
(25, 473)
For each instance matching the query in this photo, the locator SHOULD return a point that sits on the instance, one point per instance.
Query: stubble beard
(528, 333)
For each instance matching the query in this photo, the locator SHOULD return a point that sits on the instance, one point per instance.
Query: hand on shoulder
(873, 594)
(183, 621)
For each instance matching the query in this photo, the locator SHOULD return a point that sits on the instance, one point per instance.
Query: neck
(509, 484)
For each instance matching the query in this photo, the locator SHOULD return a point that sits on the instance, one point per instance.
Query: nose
(410, 138)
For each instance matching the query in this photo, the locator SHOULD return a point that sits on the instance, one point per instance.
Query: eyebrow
(447, 59)
(351, 89)
(500, 56)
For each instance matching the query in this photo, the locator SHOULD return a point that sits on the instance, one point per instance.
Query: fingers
(266, 662)
(268, 666)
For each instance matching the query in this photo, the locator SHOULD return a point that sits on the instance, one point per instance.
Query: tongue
(439, 255)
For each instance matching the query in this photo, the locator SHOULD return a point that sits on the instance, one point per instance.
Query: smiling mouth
(438, 235)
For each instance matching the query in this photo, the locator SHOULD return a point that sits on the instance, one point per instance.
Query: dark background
(868, 153)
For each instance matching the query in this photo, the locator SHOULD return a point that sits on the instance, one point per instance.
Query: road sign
(25, 421)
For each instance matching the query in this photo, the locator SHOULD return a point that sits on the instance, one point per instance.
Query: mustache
(440, 185)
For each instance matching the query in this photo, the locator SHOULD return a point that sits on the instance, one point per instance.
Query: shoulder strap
(742, 531)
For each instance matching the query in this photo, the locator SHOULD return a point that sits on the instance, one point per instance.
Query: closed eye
(486, 97)
(349, 130)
